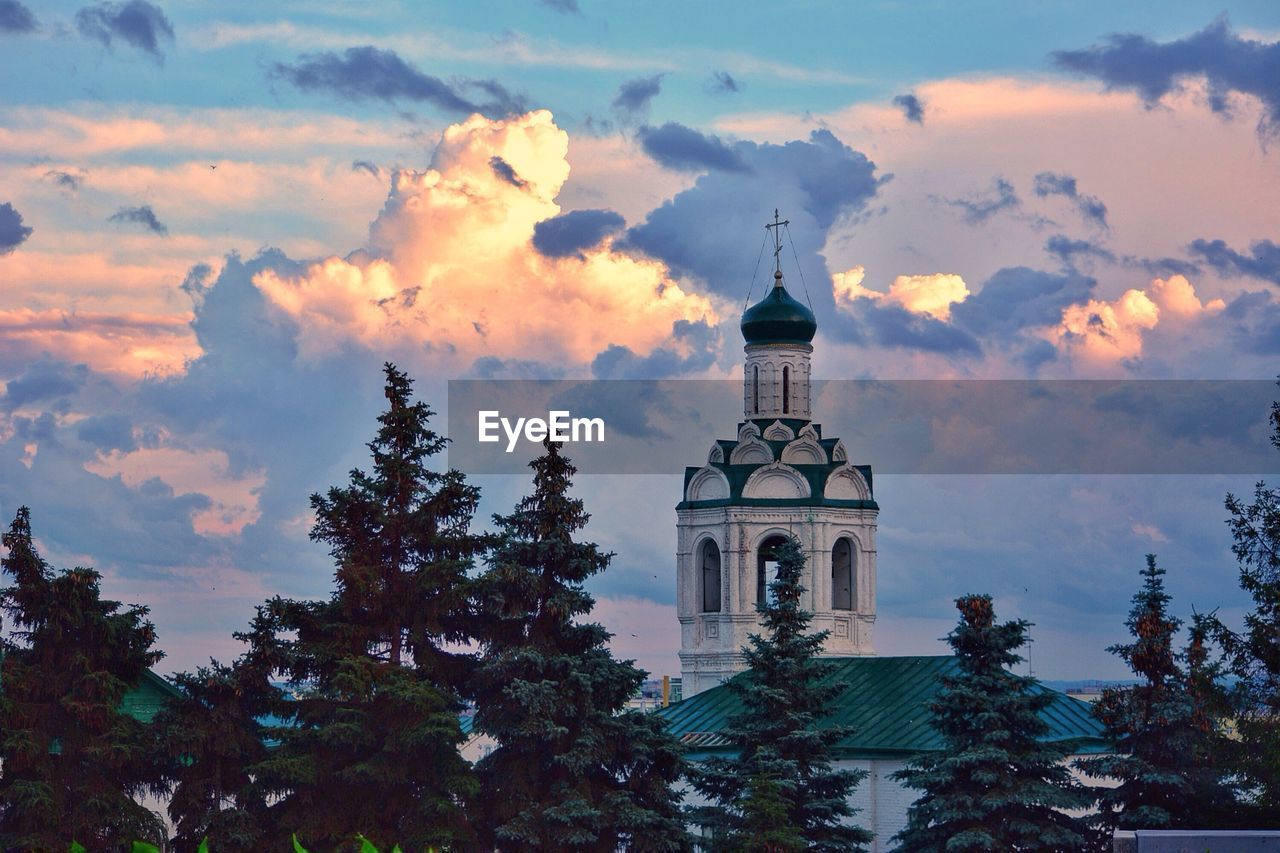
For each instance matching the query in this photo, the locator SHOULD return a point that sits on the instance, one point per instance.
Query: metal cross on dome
(776, 227)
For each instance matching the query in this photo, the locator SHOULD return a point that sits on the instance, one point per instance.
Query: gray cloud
(137, 23)
(366, 166)
(1262, 260)
(107, 432)
(12, 231)
(1090, 207)
(912, 107)
(712, 231)
(723, 83)
(1015, 298)
(16, 18)
(686, 150)
(65, 180)
(44, 379)
(980, 208)
(633, 97)
(142, 215)
(564, 7)
(570, 233)
(367, 72)
(1154, 69)
(505, 171)
(1067, 250)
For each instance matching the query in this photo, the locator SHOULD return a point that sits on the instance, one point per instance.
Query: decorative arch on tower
(846, 483)
(710, 573)
(777, 481)
(778, 431)
(707, 484)
(753, 451)
(805, 450)
(844, 572)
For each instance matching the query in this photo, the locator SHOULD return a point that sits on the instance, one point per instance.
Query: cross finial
(776, 227)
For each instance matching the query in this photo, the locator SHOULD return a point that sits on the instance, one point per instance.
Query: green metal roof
(778, 319)
(884, 703)
(145, 699)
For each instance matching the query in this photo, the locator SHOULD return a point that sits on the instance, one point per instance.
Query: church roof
(145, 699)
(884, 701)
(778, 319)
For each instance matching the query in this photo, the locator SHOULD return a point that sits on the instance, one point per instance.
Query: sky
(217, 220)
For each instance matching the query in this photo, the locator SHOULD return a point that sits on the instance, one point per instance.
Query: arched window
(710, 559)
(767, 566)
(755, 389)
(786, 389)
(842, 575)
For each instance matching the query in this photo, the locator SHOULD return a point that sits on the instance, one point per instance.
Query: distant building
(781, 477)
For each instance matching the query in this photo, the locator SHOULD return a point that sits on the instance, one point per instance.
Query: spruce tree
(573, 770)
(780, 792)
(994, 785)
(72, 763)
(369, 744)
(215, 735)
(1253, 654)
(1162, 727)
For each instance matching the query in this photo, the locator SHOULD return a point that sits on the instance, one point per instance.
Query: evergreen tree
(71, 761)
(1253, 654)
(994, 786)
(780, 792)
(1162, 728)
(215, 735)
(572, 770)
(370, 738)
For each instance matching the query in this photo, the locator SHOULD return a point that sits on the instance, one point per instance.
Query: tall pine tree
(72, 763)
(780, 792)
(1253, 654)
(1161, 727)
(995, 785)
(214, 737)
(572, 770)
(371, 735)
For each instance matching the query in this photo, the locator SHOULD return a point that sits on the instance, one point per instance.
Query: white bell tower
(778, 478)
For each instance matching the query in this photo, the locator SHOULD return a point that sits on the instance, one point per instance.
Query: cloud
(129, 344)
(142, 215)
(65, 180)
(693, 348)
(484, 289)
(1019, 298)
(633, 96)
(43, 380)
(920, 294)
(713, 230)
(1153, 70)
(503, 170)
(1262, 261)
(1176, 296)
(107, 432)
(1066, 250)
(12, 231)
(686, 150)
(912, 107)
(570, 233)
(1102, 331)
(978, 209)
(229, 498)
(137, 23)
(723, 83)
(1090, 207)
(368, 72)
(564, 7)
(366, 166)
(16, 18)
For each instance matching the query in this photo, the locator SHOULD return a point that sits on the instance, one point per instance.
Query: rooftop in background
(884, 701)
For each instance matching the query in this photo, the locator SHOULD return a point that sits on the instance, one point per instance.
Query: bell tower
(778, 478)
